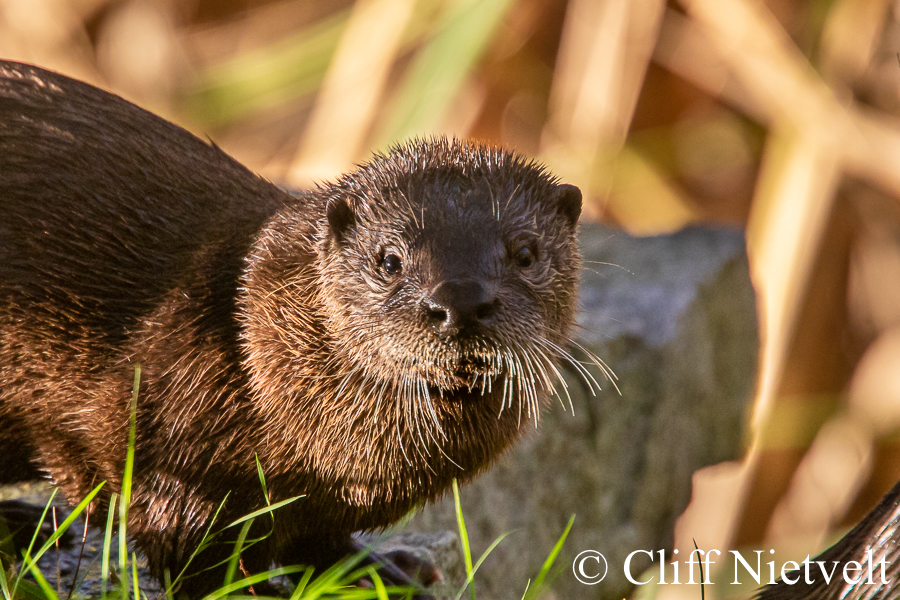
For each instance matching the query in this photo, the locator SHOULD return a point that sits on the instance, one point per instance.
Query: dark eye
(525, 257)
(392, 264)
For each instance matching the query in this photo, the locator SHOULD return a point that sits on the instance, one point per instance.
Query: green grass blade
(551, 559)
(247, 581)
(205, 541)
(236, 553)
(334, 576)
(7, 548)
(29, 562)
(64, 526)
(527, 587)
(4, 583)
(35, 535)
(208, 535)
(126, 484)
(46, 588)
(107, 545)
(490, 549)
(464, 539)
(262, 478)
(301, 585)
(262, 511)
(167, 582)
(380, 590)
(29, 591)
(135, 584)
(471, 576)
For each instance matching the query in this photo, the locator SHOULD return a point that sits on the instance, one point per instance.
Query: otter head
(417, 308)
(449, 270)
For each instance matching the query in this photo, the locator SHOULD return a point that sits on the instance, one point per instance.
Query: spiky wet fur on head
(323, 315)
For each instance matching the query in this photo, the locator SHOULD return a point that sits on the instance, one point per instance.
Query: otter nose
(457, 305)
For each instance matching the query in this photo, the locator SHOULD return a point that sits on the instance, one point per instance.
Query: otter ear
(340, 218)
(568, 202)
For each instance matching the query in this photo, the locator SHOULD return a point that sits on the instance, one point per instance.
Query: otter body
(368, 340)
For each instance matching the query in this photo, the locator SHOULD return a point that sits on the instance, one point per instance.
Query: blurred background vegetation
(776, 116)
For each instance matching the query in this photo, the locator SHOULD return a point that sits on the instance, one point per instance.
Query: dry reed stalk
(348, 99)
(604, 53)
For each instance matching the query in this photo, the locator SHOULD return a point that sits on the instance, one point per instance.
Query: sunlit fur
(262, 330)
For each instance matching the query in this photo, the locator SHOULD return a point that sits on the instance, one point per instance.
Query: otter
(367, 341)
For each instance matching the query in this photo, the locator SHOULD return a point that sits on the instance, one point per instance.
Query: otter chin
(367, 341)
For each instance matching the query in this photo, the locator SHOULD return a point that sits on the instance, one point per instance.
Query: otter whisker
(539, 367)
(542, 361)
(381, 389)
(425, 397)
(512, 377)
(340, 390)
(424, 390)
(373, 429)
(360, 406)
(398, 406)
(607, 264)
(497, 361)
(534, 377)
(518, 381)
(511, 196)
(559, 376)
(610, 375)
(531, 391)
(526, 392)
(415, 407)
(506, 387)
(564, 355)
(410, 411)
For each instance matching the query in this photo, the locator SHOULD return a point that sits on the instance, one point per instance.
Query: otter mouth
(473, 365)
(467, 374)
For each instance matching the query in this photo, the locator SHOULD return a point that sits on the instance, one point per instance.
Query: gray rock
(675, 317)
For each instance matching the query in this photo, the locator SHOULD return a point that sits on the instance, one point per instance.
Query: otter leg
(169, 523)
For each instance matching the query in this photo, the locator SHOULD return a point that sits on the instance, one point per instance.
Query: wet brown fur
(265, 324)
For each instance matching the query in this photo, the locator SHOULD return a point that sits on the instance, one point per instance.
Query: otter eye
(525, 257)
(392, 264)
